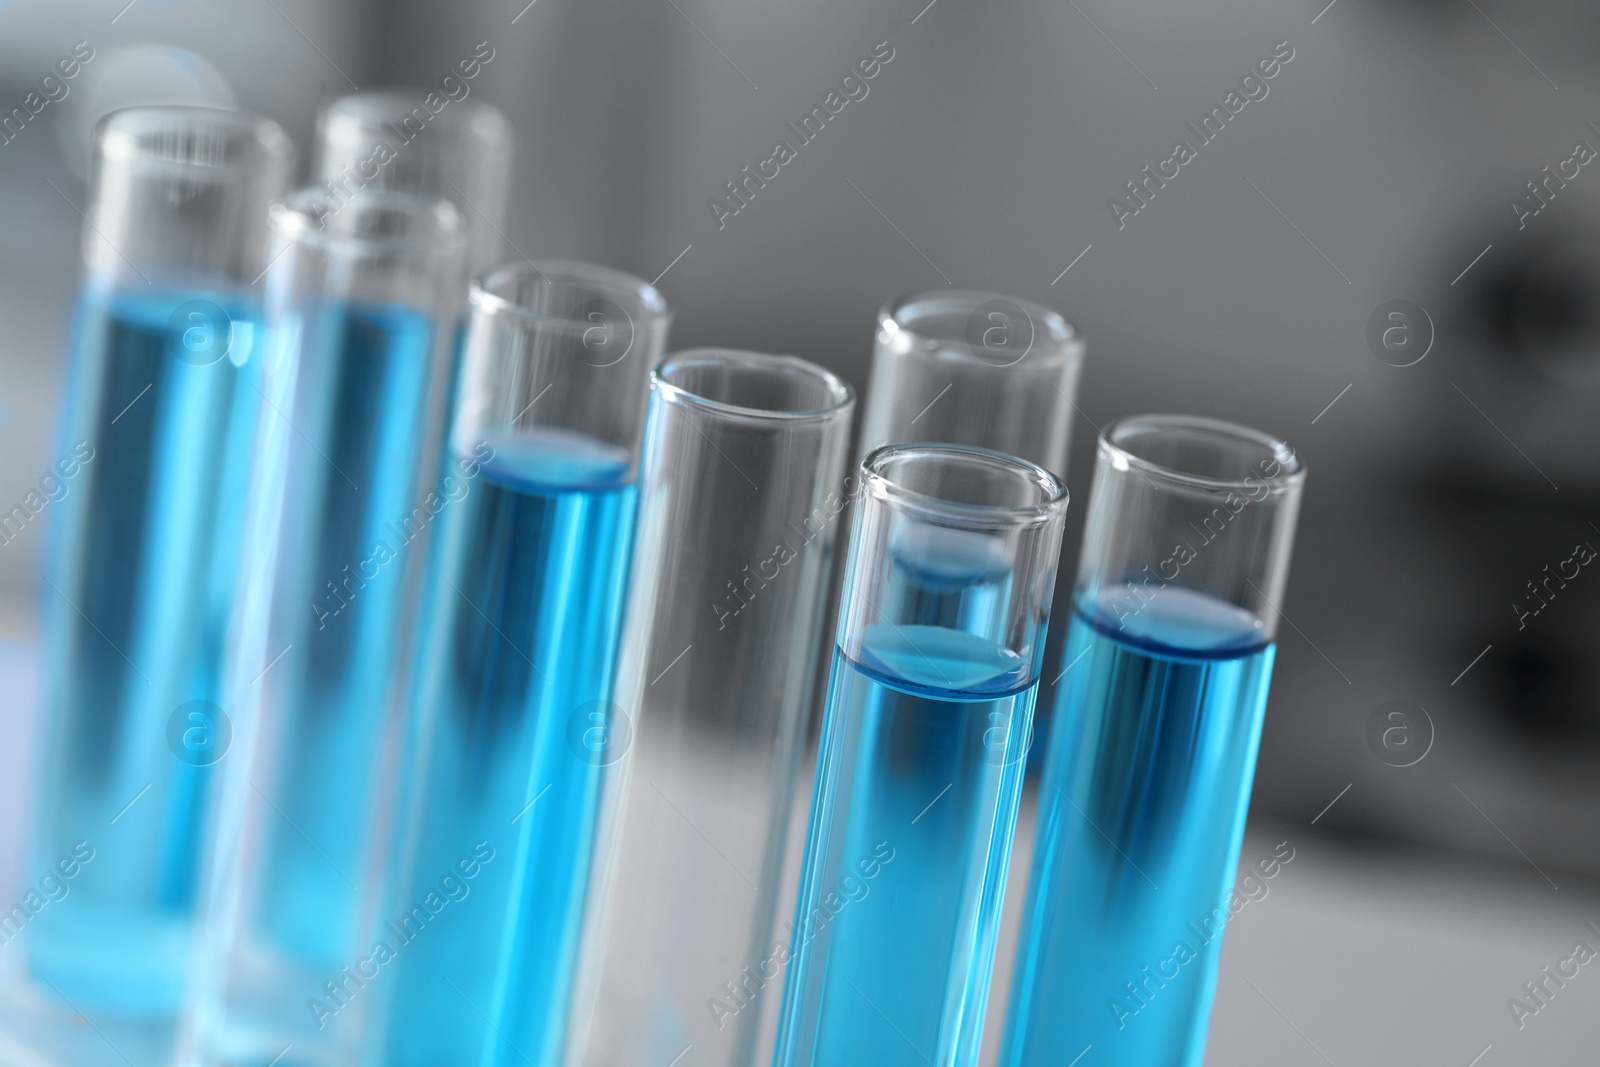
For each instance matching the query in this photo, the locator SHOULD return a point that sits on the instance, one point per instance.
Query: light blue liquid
(345, 593)
(1141, 814)
(524, 616)
(141, 571)
(922, 762)
(351, 441)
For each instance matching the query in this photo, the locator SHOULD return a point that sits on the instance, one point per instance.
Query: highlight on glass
(162, 405)
(972, 368)
(522, 617)
(947, 597)
(743, 492)
(392, 139)
(361, 325)
(1147, 780)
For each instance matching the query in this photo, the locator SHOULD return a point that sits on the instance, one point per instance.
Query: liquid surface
(547, 457)
(141, 570)
(524, 615)
(906, 854)
(941, 660)
(1181, 622)
(1141, 813)
(940, 557)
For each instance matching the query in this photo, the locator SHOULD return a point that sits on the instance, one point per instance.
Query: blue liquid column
(920, 769)
(1145, 788)
(476, 948)
(361, 297)
(139, 583)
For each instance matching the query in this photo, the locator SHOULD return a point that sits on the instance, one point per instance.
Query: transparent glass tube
(977, 369)
(1158, 716)
(920, 766)
(361, 327)
(393, 140)
(743, 489)
(518, 654)
(162, 402)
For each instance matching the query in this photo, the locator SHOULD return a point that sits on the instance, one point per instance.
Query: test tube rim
(116, 138)
(485, 300)
(466, 118)
(291, 218)
(955, 513)
(1288, 479)
(842, 394)
(1066, 343)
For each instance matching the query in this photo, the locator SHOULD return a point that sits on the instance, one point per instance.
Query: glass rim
(630, 293)
(1051, 506)
(841, 396)
(119, 135)
(1063, 335)
(1276, 449)
(299, 219)
(342, 120)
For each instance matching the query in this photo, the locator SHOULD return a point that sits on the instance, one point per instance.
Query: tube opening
(195, 140)
(380, 218)
(362, 119)
(959, 482)
(570, 298)
(988, 327)
(1206, 453)
(753, 384)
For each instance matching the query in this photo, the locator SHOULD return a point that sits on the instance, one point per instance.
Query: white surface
(1395, 957)
(1371, 956)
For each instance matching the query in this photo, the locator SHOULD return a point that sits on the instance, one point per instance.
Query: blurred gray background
(1381, 166)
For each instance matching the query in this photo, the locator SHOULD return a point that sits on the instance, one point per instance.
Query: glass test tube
(919, 772)
(743, 490)
(361, 327)
(982, 369)
(1142, 803)
(392, 140)
(476, 943)
(977, 369)
(161, 416)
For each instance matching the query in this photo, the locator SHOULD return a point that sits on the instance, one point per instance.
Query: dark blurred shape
(1554, 314)
(1544, 686)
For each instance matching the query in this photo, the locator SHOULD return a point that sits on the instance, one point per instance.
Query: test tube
(162, 403)
(744, 486)
(361, 326)
(919, 772)
(476, 942)
(980, 369)
(393, 140)
(973, 368)
(1147, 779)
